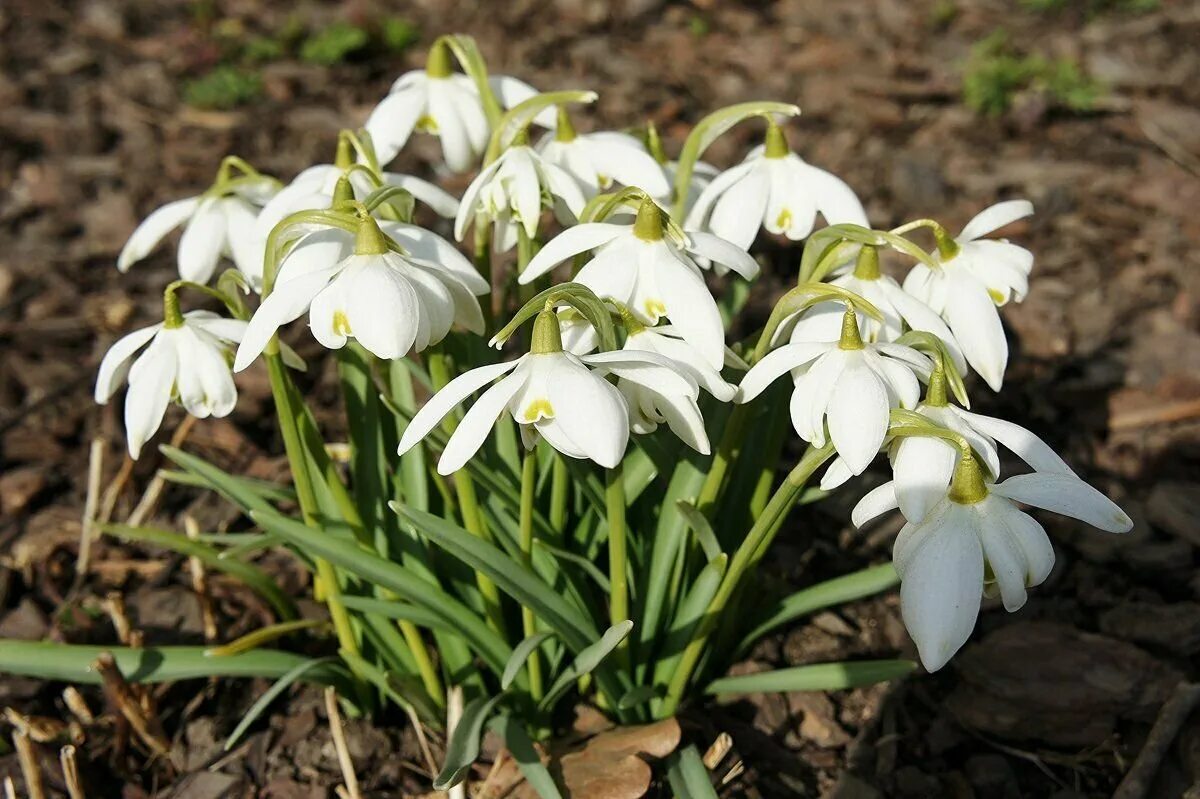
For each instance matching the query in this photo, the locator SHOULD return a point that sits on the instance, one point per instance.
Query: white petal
(381, 307)
(612, 272)
(1027, 446)
(1003, 554)
(624, 159)
(684, 418)
(697, 217)
(202, 242)
(287, 302)
(393, 120)
(429, 246)
(441, 201)
(976, 324)
(875, 503)
(242, 239)
(836, 201)
(563, 187)
(230, 330)
(693, 311)
(922, 469)
(858, 416)
(456, 144)
(572, 241)
(776, 363)
(473, 430)
(1068, 495)
(590, 411)
(738, 214)
(1034, 544)
(445, 400)
(940, 591)
(647, 369)
(153, 229)
(115, 366)
(920, 316)
(468, 207)
(149, 393)
(994, 218)
(723, 252)
(836, 475)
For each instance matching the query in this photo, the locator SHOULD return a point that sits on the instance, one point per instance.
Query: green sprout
(223, 88)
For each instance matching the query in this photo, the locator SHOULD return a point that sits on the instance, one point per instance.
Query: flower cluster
(653, 256)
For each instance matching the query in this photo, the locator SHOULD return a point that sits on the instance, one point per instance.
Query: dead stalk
(200, 583)
(10, 790)
(339, 744)
(29, 765)
(419, 729)
(120, 694)
(113, 492)
(78, 706)
(716, 753)
(454, 710)
(70, 769)
(149, 500)
(90, 505)
(114, 606)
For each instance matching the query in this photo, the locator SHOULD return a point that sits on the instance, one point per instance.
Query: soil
(1056, 700)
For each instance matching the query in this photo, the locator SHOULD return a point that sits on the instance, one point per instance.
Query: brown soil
(1056, 700)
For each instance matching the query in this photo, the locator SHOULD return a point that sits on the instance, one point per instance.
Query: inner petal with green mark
(341, 325)
(784, 220)
(537, 410)
(655, 309)
(427, 124)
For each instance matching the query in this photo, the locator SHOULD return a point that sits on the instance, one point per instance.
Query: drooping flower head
(597, 160)
(773, 189)
(219, 222)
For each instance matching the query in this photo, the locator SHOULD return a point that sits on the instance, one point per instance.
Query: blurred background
(1089, 108)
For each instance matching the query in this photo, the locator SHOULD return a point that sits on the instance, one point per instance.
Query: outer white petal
(976, 324)
(115, 365)
(591, 411)
(686, 358)
(685, 420)
(875, 503)
(473, 430)
(1027, 446)
(153, 229)
(693, 311)
(445, 400)
(470, 110)
(468, 207)
(612, 272)
(858, 416)
(563, 187)
(512, 92)
(242, 239)
(922, 468)
(202, 242)
(697, 218)
(647, 369)
(525, 189)
(383, 309)
(994, 218)
(149, 393)
(1002, 552)
(1068, 495)
(456, 144)
(920, 316)
(393, 120)
(1033, 543)
(429, 246)
(836, 475)
(230, 330)
(836, 201)
(776, 363)
(723, 252)
(624, 159)
(940, 590)
(738, 214)
(441, 201)
(814, 386)
(572, 241)
(287, 302)
(791, 208)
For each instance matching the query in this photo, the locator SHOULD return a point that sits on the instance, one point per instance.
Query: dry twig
(1174, 713)
(29, 765)
(70, 769)
(339, 744)
(121, 696)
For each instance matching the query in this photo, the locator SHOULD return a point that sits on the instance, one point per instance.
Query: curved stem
(528, 620)
(731, 439)
(764, 528)
(614, 496)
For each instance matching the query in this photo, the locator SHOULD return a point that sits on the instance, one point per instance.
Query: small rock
(25, 622)
(1174, 627)
(851, 787)
(1174, 507)
(205, 785)
(19, 486)
(992, 777)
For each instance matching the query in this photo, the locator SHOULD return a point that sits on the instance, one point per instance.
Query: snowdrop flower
(975, 540)
(389, 302)
(549, 393)
(652, 273)
(444, 103)
(851, 384)
(666, 341)
(598, 159)
(974, 276)
(774, 189)
(898, 308)
(218, 223)
(186, 360)
(509, 193)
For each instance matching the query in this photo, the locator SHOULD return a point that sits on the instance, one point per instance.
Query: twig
(121, 696)
(29, 765)
(114, 605)
(78, 706)
(339, 743)
(113, 491)
(716, 753)
(1171, 717)
(200, 583)
(454, 711)
(90, 506)
(10, 790)
(1167, 413)
(149, 500)
(70, 769)
(419, 729)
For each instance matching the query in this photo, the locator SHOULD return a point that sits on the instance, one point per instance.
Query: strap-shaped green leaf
(687, 775)
(521, 653)
(270, 695)
(817, 677)
(463, 748)
(586, 661)
(520, 746)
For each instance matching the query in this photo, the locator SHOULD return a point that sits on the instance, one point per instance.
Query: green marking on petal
(538, 409)
(341, 325)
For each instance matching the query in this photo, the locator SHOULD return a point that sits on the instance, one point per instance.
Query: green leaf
(688, 777)
(270, 695)
(588, 659)
(463, 748)
(237, 490)
(817, 677)
(701, 527)
(638, 695)
(521, 653)
(269, 492)
(837, 591)
(521, 115)
(392, 609)
(153, 664)
(708, 130)
(588, 567)
(370, 567)
(522, 750)
(254, 578)
(688, 616)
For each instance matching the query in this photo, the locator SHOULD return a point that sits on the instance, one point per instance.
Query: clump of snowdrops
(563, 474)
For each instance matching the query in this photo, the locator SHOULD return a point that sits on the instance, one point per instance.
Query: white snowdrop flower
(509, 192)
(975, 540)
(774, 189)
(653, 274)
(666, 341)
(900, 310)
(850, 384)
(703, 174)
(597, 160)
(390, 302)
(187, 360)
(550, 393)
(218, 223)
(974, 276)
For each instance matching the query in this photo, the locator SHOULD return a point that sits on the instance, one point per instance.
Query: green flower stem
(528, 620)
(468, 501)
(483, 265)
(764, 529)
(559, 494)
(527, 247)
(614, 496)
(727, 448)
(326, 576)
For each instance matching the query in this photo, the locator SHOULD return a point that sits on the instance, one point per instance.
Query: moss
(223, 88)
(996, 73)
(334, 44)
